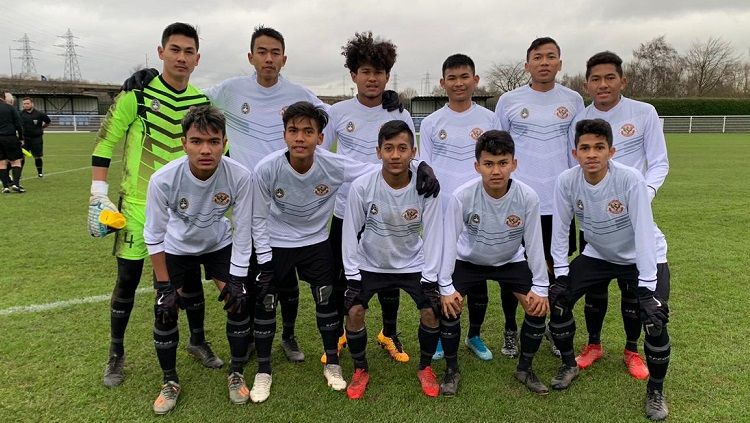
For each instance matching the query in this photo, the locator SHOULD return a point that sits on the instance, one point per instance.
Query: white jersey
(488, 231)
(538, 122)
(300, 205)
(254, 112)
(356, 128)
(392, 218)
(615, 215)
(447, 140)
(186, 216)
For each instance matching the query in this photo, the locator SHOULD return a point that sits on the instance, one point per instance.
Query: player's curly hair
(363, 49)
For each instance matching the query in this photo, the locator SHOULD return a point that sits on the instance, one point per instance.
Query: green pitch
(52, 355)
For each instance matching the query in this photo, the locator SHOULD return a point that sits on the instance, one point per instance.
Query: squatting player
(149, 120)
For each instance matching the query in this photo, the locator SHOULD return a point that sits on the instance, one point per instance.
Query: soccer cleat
(564, 377)
(428, 380)
(589, 354)
(510, 345)
(113, 374)
(40, 175)
(332, 373)
(358, 386)
(6, 190)
(340, 346)
(529, 379)
(636, 367)
(553, 349)
(656, 405)
(292, 351)
(261, 387)
(449, 387)
(439, 353)
(167, 398)
(238, 392)
(393, 346)
(204, 354)
(18, 188)
(477, 346)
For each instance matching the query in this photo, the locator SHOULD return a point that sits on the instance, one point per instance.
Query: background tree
(711, 67)
(657, 70)
(506, 76)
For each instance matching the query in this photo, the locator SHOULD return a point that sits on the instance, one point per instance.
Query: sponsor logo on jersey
(525, 113)
(579, 204)
(513, 221)
(155, 106)
(279, 193)
(475, 218)
(562, 112)
(615, 207)
(350, 126)
(411, 214)
(283, 110)
(245, 108)
(221, 199)
(627, 130)
(322, 190)
(442, 134)
(475, 133)
(183, 203)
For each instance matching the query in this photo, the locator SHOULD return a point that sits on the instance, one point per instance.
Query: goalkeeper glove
(103, 218)
(235, 294)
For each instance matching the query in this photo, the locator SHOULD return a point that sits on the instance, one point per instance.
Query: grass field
(52, 355)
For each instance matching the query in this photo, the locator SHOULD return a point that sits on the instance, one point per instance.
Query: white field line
(64, 171)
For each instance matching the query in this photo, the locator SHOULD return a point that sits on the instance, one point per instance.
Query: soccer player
(447, 140)
(149, 121)
(34, 123)
(186, 228)
(354, 125)
(639, 140)
(612, 204)
(538, 116)
(11, 141)
(383, 250)
(491, 225)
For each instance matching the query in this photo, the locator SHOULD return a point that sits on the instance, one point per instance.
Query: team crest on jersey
(475, 219)
(373, 209)
(279, 193)
(475, 133)
(411, 214)
(155, 106)
(183, 203)
(245, 108)
(615, 207)
(627, 130)
(221, 199)
(350, 126)
(322, 190)
(525, 113)
(513, 221)
(442, 134)
(579, 204)
(562, 112)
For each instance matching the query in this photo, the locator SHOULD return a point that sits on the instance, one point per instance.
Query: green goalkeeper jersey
(149, 121)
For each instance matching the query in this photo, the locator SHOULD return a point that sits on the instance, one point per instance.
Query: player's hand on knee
(452, 304)
(557, 294)
(264, 280)
(536, 305)
(654, 311)
(234, 294)
(168, 303)
(353, 288)
(139, 79)
(432, 292)
(103, 216)
(427, 183)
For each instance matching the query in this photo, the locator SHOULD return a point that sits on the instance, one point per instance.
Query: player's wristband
(99, 188)
(161, 284)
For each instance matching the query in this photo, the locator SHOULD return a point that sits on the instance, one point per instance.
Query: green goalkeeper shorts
(129, 243)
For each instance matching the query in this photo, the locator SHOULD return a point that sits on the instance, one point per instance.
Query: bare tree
(406, 95)
(656, 70)
(504, 77)
(575, 82)
(710, 66)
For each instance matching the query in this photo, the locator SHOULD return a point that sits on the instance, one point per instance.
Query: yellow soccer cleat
(393, 346)
(112, 219)
(341, 345)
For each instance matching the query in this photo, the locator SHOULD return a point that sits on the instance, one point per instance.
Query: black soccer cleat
(564, 377)
(292, 351)
(113, 373)
(449, 387)
(656, 405)
(531, 381)
(204, 354)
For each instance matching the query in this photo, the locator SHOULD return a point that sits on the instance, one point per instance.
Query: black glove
(391, 101)
(266, 292)
(235, 292)
(432, 292)
(139, 79)
(167, 303)
(558, 288)
(353, 288)
(654, 311)
(427, 183)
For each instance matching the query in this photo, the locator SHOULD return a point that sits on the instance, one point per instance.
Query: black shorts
(515, 276)
(10, 148)
(313, 263)
(372, 283)
(186, 270)
(588, 274)
(547, 236)
(35, 146)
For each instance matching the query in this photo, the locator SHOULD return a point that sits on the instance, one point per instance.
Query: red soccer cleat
(429, 382)
(636, 367)
(358, 385)
(589, 354)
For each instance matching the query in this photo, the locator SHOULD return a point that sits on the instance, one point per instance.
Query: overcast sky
(114, 37)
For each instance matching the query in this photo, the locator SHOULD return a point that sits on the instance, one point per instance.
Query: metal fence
(75, 123)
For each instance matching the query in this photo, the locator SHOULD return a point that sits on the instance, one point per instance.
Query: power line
(28, 67)
(72, 71)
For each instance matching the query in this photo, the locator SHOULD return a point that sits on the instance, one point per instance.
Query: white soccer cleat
(332, 373)
(261, 387)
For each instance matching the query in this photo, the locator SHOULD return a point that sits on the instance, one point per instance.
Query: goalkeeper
(149, 122)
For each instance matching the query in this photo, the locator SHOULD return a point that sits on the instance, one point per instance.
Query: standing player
(639, 140)
(611, 202)
(383, 250)
(491, 226)
(186, 228)
(538, 116)
(149, 120)
(11, 140)
(34, 123)
(447, 140)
